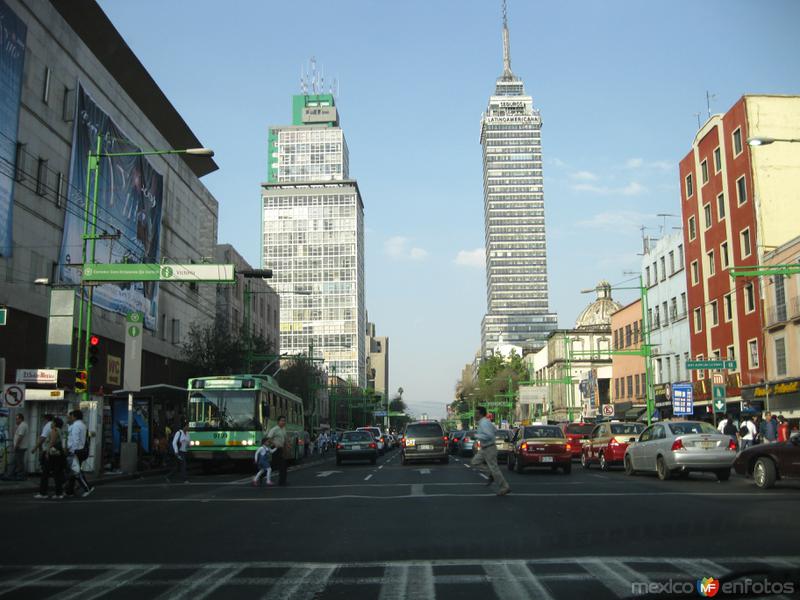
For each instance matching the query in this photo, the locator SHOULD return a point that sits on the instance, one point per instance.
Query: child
(262, 460)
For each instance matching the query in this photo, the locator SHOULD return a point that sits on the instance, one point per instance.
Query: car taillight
(569, 447)
(523, 446)
(466, 439)
(339, 446)
(373, 445)
(403, 442)
(383, 440)
(613, 442)
(732, 445)
(678, 445)
(446, 439)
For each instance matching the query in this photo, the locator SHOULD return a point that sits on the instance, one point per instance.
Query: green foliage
(213, 350)
(302, 378)
(497, 375)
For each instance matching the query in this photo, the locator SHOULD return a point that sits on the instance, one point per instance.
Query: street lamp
(766, 141)
(90, 228)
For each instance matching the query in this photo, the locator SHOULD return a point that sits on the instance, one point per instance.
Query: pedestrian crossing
(546, 579)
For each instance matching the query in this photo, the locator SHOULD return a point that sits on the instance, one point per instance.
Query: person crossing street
(486, 458)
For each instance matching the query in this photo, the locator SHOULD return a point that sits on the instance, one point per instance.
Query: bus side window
(264, 408)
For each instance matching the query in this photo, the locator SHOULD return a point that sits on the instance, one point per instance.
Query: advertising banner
(12, 58)
(129, 202)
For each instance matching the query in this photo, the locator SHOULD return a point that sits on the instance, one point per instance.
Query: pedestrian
(747, 433)
(306, 443)
(729, 428)
(77, 452)
(783, 429)
(770, 428)
(44, 436)
(281, 440)
(180, 451)
(262, 459)
(486, 458)
(20, 448)
(54, 461)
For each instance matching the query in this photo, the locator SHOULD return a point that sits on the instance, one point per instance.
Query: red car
(607, 443)
(576, 434)
(540, 446)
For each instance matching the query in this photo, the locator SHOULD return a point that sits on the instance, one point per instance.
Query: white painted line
(40, 574)
(466, 465)
(380, 467)
(198, 585)
(368, 477)
(514, 580)
(417, 489)
(420, 582)
(699, 567)
(118, 580)
(301, 583)
(482, 475)
(424, 471)
(395, 581)
(613, 574)
(598, 476)
(327, 473)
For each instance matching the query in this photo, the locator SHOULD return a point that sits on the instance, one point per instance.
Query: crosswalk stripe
(100, 585)
(419, 584)
(514, 580)
(394, 583)
(43, 573)
(300, 583)
(613, 574)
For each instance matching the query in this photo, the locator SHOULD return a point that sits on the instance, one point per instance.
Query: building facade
(667, 314)
(516, 251)
(313, 239)
(377, 361)
(629, 380)
(738, 202)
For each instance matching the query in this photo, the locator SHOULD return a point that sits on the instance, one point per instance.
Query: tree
(302, 378)
(212, 350)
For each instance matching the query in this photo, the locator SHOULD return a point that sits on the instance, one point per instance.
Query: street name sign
(710, 364)
(116, 272)
(682, 399)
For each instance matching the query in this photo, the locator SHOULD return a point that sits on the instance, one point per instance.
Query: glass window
(780, 297)
(690, 427)
(752, 352)
(647, 434)
(780, 356)
(543, 431)
(704, 171)
(717, 160)
(724, 259)
(626, 428)
(727, 302)
(689, 186)
(424, 430)
(231, 410)
(695, 272)
(711, 265)
(737, 142)
(745, 241)
(741, 190)
(671, 262)
(721, 206)
(579, 428)
(663, 268)
(698, 320)
(749, 298)
(692, 228)
(714, 313)
(706, 216)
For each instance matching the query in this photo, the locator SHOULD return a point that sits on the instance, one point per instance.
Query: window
(59, 189)
(689, 186)
(669, 369)
(704, 171)
(684, 308)
(714, 305)
(41, 177)
(749, 298)
(723, 255)
(680, 256)
(695, 272)
(707, 216)
(780, 356)
(677, 367)
(635, 332)
(698, 320)
(737, 142)
(731, 353)
(628, 334)
(671, 262)
(664, 312)
(721, 206)
(744, 237)
(717, 160)
(163, 327)
(19, 162)
(636, 384)
(741, 191)
(673, 309)
(630, 386)
(616, 339)
(780, 298)
(650, 318)
(647, 275)
(46, 86)
(616, 388)
(752, 353)
(692, 228)
(659, 370)
(176, 331)
(658, 318)
(727, 304)
(663, 268)
(711, 265)
(655, 273)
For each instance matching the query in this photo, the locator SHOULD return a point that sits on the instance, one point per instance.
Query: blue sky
(618, 84)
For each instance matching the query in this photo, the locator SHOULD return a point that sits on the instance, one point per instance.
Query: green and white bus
(229, 414)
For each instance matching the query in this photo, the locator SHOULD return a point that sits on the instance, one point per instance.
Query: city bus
(229, 414)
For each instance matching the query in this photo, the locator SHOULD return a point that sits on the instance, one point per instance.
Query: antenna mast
(506, 43)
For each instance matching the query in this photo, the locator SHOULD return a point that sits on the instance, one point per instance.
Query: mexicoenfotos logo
(708, 587)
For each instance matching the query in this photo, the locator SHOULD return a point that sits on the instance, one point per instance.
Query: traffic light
(81, 382)
(94, 343)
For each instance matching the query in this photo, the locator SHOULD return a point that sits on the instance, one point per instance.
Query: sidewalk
(31, 484)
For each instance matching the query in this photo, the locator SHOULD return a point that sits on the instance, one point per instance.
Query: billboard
(129, 203)
(12, 58)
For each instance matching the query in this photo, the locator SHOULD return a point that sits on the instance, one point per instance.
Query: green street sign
(3, 316)
(710, 364)
(719, 404)
(116, 272)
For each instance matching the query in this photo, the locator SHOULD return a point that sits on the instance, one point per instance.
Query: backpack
(730, 428)
(743, 431)
(83, 453)
(179, 436)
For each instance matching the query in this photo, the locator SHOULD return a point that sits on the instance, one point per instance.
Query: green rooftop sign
(117, 272)
(710, 364)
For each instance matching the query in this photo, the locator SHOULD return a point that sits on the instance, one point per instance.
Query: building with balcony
(629, 380)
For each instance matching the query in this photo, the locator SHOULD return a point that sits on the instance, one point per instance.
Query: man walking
(770, 428)
(77, 452)
(20, 447)
(747, 432)
(180, 450)
(486, 458)
(280, 439)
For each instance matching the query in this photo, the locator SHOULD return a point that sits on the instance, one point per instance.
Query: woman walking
(54, 461)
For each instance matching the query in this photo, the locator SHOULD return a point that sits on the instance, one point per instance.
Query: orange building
(628, 372)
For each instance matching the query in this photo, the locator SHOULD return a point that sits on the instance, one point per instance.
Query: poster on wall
(141, 423)
(12, 58)
(129, 201)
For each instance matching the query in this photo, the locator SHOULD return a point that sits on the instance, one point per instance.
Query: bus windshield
(229, 410)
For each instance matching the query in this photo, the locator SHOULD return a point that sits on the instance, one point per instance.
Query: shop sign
(113, 369)
(43, 376)
(776, 389)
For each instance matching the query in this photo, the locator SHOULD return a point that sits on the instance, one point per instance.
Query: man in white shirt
(180, 450)
(77, 443)
(43, 437)
(20, 446)
(749, 429)
(486, 458)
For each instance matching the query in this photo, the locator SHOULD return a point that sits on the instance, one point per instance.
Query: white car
(379, 437)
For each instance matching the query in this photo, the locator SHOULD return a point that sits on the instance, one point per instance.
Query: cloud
(559, 163)
(632, 189)
(471, 258)
(640, 163)
(399, 247)
(634, 163)
(584, 176)
(616, 220)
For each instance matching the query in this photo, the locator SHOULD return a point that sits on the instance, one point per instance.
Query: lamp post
(90, 233)
(766, 141)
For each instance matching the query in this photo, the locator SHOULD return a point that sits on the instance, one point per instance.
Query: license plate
(426, 447)
(547, 459)
(708, 445)
(355, 447)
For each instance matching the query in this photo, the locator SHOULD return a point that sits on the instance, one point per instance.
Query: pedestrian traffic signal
(94, 343)
(81, 382)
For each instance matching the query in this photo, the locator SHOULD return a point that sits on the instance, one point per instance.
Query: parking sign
(682, 399)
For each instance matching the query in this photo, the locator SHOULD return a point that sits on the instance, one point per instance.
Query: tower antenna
(506, 43)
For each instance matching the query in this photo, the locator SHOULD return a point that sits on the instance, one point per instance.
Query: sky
(620, 86)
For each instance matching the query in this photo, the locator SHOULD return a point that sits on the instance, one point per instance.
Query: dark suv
(424, 440)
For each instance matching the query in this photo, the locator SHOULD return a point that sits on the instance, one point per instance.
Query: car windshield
(424, 430)
(543, 431)
(579, 428)
(688, 427)
(626, 428)
(230, 410)
(357, 436)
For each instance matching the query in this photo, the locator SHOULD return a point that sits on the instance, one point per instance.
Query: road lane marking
(466, 465)
(424, 471)
(613, 574)
(417, 489)
(420, 582)
(202, 583)
(394, 582)
(515, 580)
(368, 477)
(43, 573)
(327, 473)
(598, 476)
(301, 583)
(484, 476)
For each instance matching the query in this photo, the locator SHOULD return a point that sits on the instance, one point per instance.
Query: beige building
(629, 381)
(377, 361)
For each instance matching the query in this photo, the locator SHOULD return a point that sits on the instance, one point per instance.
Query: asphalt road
(392, 531)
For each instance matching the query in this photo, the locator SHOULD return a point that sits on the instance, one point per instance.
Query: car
(767, 463)
(576, 434)
(379, 439)
(540, 446)
(424, 440)
(679, 447)
(503, 442)
(453, 442)
(356, 445)
(607, 443)
(466, 444)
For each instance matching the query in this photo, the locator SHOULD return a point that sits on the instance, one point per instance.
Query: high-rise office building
(516, 252)
(313, 238)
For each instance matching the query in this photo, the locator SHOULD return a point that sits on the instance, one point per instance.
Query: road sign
(102, 273)
(3, 316)
(710, 364)
(380, 413)
(717, 379)
(682, 399)
(132, 375)
(719, 405)
(608, 410)
(13, 395)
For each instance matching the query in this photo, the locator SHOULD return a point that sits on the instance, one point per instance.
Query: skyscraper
(313, 238)
(516, 252)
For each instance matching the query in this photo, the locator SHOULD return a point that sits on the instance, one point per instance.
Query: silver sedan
(678, 447)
